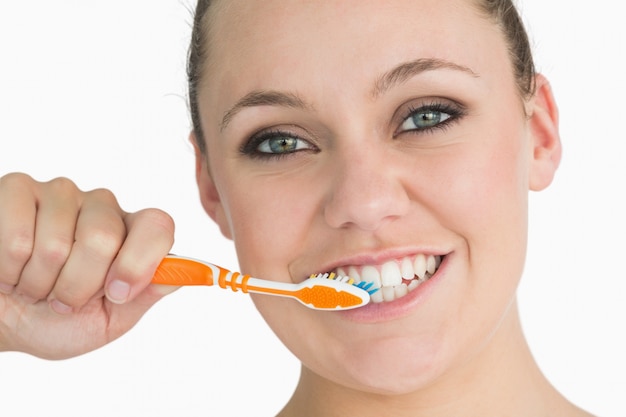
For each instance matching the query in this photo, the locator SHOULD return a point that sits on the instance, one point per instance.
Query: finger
(17, 227)
(54, 237)
(123, 316)
(149, 239)
(99, 234)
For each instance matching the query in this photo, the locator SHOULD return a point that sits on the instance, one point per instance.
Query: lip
(401, 307)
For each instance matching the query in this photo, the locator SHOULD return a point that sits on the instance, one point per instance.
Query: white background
(95, 90)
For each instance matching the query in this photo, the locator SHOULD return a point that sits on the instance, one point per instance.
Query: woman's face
(381, 139)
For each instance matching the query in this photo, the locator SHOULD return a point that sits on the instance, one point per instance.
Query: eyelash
(455, 112)
(251, 147)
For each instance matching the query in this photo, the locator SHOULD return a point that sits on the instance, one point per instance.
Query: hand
(75, 269)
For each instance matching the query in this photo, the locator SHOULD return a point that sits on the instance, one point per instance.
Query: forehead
(250, 24)
(260, 44)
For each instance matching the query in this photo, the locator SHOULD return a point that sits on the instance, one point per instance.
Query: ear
(544, 130)
(209, 195)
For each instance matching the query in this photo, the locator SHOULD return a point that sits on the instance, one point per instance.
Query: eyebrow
(395, 76)
(406, 70)
(263, 98)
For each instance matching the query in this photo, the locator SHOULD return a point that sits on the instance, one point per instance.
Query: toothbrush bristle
(364, 285)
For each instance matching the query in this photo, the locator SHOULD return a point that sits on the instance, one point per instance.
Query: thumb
(122, 317)
(150, 236)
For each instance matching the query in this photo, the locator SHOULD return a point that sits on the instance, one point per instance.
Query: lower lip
(386, 311)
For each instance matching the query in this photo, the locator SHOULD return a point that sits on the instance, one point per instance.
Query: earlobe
(209, 195)
(545, 139)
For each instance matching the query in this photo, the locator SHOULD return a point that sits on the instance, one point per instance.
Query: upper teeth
(389, 276)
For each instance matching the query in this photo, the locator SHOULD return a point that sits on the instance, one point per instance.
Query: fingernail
(6, 288)
(60, 308)
(118, 291)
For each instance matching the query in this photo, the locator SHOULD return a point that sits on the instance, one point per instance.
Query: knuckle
(63, 185)
(55, 251)
(64, 188)
(129, 272)
(105, 195)
(19, 249)
(132, 270)
(16, 179)
(158, 218)
(102, 242)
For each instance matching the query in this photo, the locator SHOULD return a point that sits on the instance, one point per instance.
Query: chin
(386, 367)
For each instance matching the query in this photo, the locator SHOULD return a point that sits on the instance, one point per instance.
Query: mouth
(395, 278)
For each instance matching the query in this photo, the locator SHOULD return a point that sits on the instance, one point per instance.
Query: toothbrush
(320, 292)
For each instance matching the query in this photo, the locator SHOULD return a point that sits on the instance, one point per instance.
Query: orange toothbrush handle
(319, 293)
(181, 271)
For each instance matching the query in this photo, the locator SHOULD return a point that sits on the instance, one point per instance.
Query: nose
(366, 192)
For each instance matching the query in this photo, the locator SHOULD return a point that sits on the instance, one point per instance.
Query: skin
(75, 267)
(460, 192)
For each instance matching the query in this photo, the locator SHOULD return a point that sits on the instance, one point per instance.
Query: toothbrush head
(332, 292)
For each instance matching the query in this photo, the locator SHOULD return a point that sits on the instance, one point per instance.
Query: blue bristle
(366, 286)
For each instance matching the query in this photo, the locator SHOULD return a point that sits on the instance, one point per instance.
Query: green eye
(280, 144)
(423, 119)
(274, 144)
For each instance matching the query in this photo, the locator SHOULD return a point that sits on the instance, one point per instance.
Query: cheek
(492, 217)
(479, 192)
(494, 188)
(486, 183)
(270, 218)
